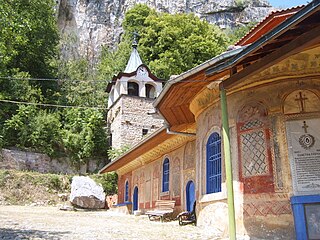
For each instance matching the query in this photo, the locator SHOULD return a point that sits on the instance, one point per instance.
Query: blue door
(135, 199)
(190, 195)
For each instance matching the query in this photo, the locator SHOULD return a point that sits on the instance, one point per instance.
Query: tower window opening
(133, 89)
(150, 91)
(144, 132)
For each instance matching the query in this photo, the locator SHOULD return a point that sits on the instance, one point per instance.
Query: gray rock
(86, 193)
(86, 26)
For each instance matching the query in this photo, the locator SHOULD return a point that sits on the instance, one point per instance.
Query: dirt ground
(27, 222)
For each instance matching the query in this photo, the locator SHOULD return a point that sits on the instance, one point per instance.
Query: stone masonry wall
(128, 117)
(114, 123)
(23, 160)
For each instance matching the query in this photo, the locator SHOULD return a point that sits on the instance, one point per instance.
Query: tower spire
(134, 60)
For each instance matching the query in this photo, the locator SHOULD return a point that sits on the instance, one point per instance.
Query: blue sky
(288, 3)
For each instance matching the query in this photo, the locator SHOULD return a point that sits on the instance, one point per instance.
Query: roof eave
(299, 16)
(194, 70)
(143, 141)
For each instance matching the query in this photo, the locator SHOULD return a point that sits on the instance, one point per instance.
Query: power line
(51, 79)
(93, 81)
(52, 105)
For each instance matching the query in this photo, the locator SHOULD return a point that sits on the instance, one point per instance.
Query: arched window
(126, 191)
(213, 178)
(150, 91)
(165, 175)
(133, 89)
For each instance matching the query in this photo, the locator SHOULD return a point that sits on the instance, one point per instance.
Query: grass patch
(23, 187)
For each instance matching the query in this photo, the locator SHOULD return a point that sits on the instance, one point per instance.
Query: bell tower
(131, 94)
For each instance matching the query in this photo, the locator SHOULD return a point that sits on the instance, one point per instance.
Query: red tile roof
(267, 24)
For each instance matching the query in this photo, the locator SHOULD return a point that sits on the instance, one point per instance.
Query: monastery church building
(238, 134)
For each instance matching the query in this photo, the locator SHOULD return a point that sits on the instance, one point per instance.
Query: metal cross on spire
(135, 39)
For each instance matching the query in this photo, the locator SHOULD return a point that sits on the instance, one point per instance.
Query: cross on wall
(301, 101)
(305, 127)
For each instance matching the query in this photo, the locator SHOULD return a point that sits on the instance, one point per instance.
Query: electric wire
(72, 81)
(94, 81)
(53, 105)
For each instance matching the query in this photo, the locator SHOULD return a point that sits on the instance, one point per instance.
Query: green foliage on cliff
(168, 44)
(29, 49)
(113, 153)
(236, 34)
(83, 134)
(109, 182)
(28, 36)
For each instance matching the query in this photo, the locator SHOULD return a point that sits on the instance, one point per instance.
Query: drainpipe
(166, 125)
(228, 165)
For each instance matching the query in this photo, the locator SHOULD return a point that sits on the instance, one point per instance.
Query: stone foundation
(31, 161)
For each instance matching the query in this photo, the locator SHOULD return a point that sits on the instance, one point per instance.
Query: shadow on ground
(9, 234)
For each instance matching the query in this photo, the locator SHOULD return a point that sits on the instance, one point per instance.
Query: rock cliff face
(86, 25)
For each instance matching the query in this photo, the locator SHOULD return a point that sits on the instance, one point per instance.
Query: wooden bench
(188, 217)
(163, 210)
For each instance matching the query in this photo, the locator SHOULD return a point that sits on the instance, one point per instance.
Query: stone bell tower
(131, 94)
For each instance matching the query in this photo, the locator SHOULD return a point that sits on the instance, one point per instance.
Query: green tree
(239, 32)
(113, 61)
(28, 36)
(83, 134)
(35, 129)
(28, 49)
(113, 153)
(16, 129)
(46, 135)
(169, 44)
(79, 86)
(28, 40)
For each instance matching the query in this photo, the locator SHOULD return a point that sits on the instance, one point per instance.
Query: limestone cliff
(86, 25)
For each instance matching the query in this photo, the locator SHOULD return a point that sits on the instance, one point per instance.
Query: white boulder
(86, 193)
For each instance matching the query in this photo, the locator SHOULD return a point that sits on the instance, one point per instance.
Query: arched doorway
(135, 199)
(190, 195)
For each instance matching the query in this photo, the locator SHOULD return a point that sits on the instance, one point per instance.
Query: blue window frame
(213, 177)
(165, 175)
(126, 193)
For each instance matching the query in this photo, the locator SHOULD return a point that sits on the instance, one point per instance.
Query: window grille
(213, 177)
(165, 175)
(126, 195)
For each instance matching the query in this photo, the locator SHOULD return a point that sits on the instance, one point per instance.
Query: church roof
(267, 24)
(293, 34)
(134, 61)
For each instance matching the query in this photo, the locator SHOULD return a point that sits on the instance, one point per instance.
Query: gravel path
(26, 222)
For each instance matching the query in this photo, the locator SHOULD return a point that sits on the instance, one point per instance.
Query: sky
(288, 3)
